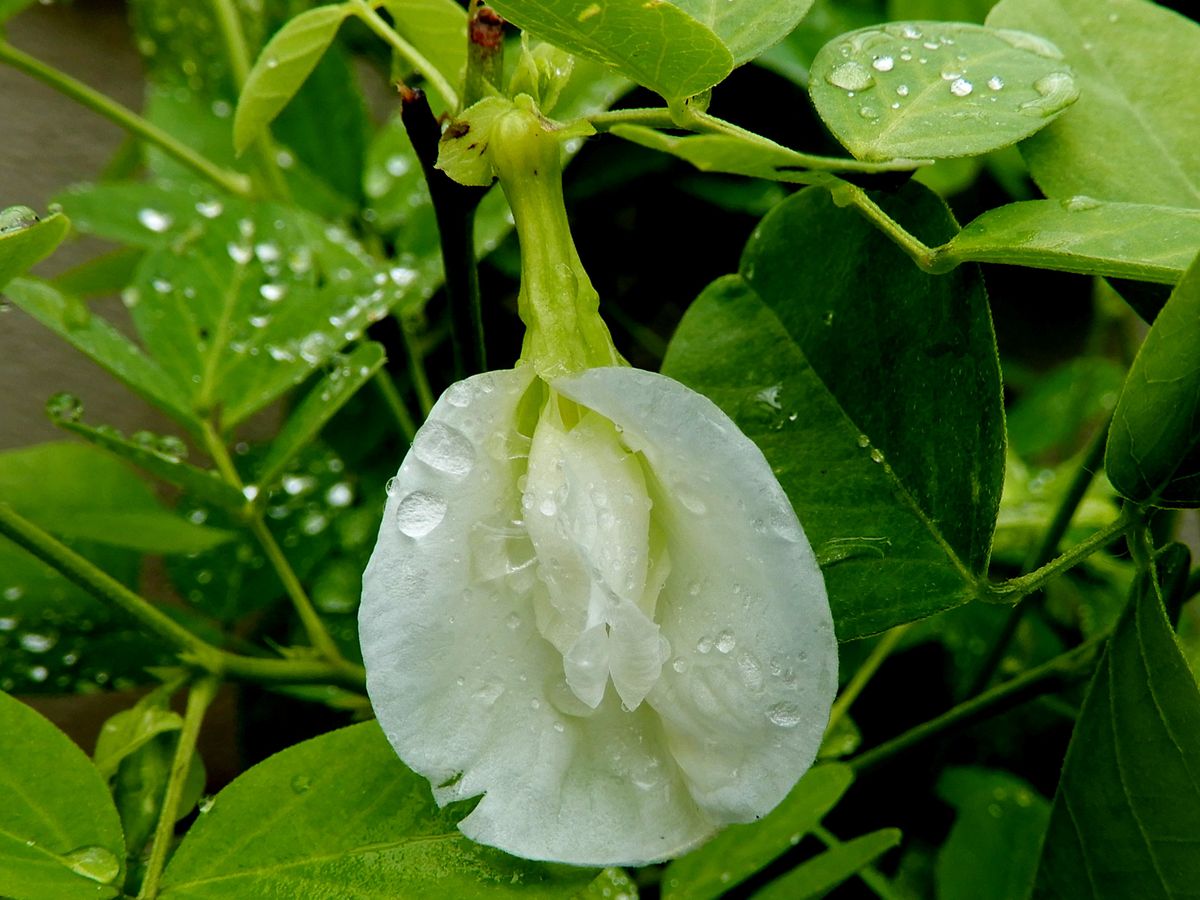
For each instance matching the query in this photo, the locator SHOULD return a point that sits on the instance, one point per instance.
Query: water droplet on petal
(419, 513)
(726, 641)
(785, 715)
(445, 449)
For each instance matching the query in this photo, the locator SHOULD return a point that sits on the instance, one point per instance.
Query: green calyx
(512, 141)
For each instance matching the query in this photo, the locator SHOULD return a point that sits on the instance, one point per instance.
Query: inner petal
(587, 513)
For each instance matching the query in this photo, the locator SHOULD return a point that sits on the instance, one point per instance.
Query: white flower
(592, 603)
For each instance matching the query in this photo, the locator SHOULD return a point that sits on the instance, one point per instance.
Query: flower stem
(233, 182)
(318, 635)
(199, 698)
(428, 70)
(1054, 675)
(416, 367)
(865, 673)
(485, 54)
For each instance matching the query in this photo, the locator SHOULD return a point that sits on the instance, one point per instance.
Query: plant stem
(416, 368)
(870, 876)
(1015, 588)
(199, 698)
(263, 670)
(100, 584)
(318, 635)
(1092, 459)
(454, 206)
(651, 117)
(926, 257)
(865, 673)
(233, 182)
(395, 404)
(428, 70)
(485, 54)
(1051, 676)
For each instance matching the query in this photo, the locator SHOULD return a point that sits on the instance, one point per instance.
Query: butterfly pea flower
(591, 604)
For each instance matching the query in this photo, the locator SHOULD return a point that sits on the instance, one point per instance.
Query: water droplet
(339, 495)
(850, 76)
(876, 455)
(513, 621)
(1080, 203)
(680, 665)
(419, 513)
(273, 293)
(272, 62)
(726, 641)
(390, 487)
(785, 715)
(94, 863)
(704, 645)
(995, 83)
(870, 113)
(402, 277)
(37, 643)
(883, 64)
(14, 593)
(902, 90)
(315, 347)
(250, 492)
(64, 407)
(210, 209)
(690, 502)
(155, 221)
(239, 253)
(301, 784)
(911, 32)
(961, 87)
(444, 448)
(1056, 91)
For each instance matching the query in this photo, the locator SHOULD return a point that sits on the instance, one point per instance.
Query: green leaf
(319, 406)
(9, 8)
(105, 274)
(937, 90)
(79, 492)
(749, 27)
(343, 810)
(127, 731)
(756, 158)
(1126, 240)
(1126, 817)
(610, 883)
(741, 850)
(101, 342)
(873, 389)
(462, 151)
(1155, 433)
(285, 62)
(991, 852)
(137, 214)
(658, 45)
(1131, 60)
(60, 838)
(139, 786)
(437, 28)
(26, 241)
(818, 876)
(160, 457)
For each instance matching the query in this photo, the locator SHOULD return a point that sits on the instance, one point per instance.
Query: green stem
(428, 70)
(103, 586)
(318, 635)
(416, 368)
(865, 673)
(395, 404)
(1043, 553)
(262, 670)
(1052, 676)
(199, 698)
(651, 117)
(1015, 588)
(927, 258)
(870, 876)
(234, 38)
(485, 55)
(233, 182)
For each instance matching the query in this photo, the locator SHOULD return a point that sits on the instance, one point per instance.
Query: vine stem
(1051, 676)
(868, 874)
(879, 653)
(318, 634)
(428, 70)
(233, 182)
(1044, 552)
(193, 650)
(199, 698)
(1015, 588)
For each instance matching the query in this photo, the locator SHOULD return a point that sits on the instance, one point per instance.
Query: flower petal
(745, 700)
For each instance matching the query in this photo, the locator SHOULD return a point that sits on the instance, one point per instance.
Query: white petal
(744, 702)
